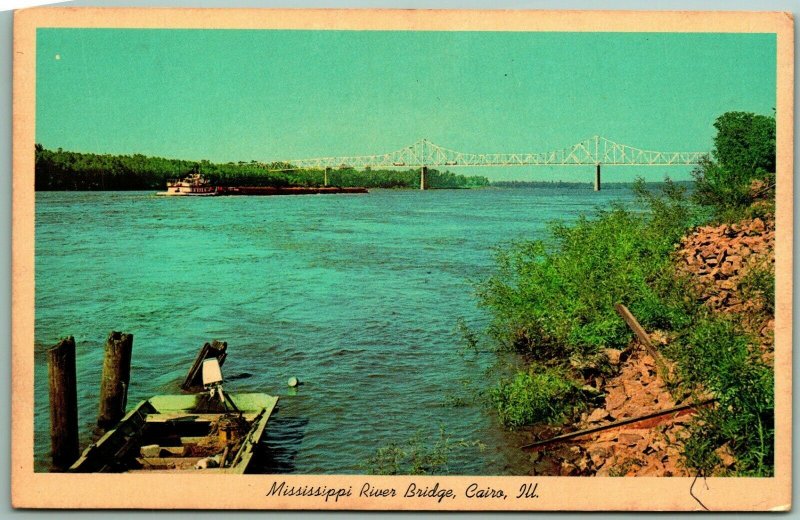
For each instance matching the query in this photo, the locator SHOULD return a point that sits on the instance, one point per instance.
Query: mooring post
(597, 178)
(115, 379)
(327, 170)
(422, 174)
(63, 404)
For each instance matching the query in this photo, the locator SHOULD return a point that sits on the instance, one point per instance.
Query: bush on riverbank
(718, 357)
(553, 300)
(539, 395)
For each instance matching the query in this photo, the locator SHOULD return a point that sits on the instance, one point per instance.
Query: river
(357, 296)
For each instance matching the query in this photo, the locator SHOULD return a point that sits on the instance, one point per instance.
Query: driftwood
(215, 349)
(595, 429)
(644, 339)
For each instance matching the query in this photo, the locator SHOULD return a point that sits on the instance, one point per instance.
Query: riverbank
(651, 327)
(707, 310)
(720, 263)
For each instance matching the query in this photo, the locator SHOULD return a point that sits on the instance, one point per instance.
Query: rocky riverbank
(720, 263)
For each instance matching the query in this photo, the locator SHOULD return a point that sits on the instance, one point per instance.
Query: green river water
(358, 296)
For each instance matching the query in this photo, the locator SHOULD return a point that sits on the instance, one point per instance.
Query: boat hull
(176, 433)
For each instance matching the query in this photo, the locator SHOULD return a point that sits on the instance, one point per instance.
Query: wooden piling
(115, 379)
(63, 404)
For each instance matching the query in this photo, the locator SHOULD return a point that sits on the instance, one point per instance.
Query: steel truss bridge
(422, 154)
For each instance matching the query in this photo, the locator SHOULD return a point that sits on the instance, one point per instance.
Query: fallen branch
(644, 339)
(595, 429)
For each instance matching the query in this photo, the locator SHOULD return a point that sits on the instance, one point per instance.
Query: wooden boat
(182, 433)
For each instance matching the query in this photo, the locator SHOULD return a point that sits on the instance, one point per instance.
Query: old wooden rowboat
(182, 433)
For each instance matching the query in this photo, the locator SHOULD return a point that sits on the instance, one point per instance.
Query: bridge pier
(423, 172)
(597, 178)
(325, 181)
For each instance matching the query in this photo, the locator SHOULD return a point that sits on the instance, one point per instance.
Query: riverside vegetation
(552, 306)
(64, 170)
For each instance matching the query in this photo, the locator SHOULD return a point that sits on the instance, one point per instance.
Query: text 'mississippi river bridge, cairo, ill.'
(422, 154)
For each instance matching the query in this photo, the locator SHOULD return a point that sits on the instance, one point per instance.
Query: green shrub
(718, 355)
(535, 396)
(759, 284)
(552, 300)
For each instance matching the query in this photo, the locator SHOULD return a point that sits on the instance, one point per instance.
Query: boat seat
(168, 462)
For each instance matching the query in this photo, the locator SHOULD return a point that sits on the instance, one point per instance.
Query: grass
(720, 357)
(758, 284)
(416, 456)
(538, 395)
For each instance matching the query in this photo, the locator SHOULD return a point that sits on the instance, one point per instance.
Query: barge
(196, 185)
(290, 190)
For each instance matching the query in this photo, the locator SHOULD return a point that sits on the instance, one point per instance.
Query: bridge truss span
(595, 150)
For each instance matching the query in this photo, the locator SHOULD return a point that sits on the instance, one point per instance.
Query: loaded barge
(196, 185)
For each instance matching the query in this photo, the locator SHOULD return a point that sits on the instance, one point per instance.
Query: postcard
(402, 259)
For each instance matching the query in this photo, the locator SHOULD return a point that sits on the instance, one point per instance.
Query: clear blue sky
(230, 95)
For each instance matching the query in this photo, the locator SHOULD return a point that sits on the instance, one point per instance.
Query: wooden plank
(172, 471)
(243, 459)
(169, 462)
(190, 417)
(644, 339)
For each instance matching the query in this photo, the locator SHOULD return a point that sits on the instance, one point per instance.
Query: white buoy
(293, 382)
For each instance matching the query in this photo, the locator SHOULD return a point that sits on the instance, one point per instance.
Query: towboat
(210, 432)
(193, 185)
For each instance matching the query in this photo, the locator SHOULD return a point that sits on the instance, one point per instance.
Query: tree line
(60, 170)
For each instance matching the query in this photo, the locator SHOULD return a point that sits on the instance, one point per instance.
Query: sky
(231, 95)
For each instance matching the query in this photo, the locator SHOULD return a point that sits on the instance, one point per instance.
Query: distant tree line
(58, 170)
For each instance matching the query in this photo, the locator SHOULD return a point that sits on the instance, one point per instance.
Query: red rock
(599, 455)
(615, 398)
(629, 439)
(632, 388)
(599, 415)
(613, 355)
(665, 399)
(725, 456)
